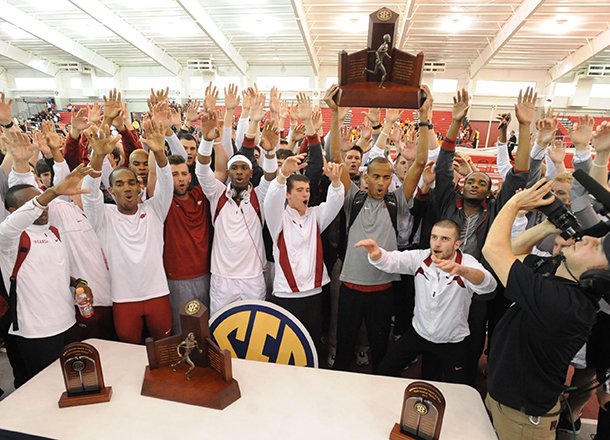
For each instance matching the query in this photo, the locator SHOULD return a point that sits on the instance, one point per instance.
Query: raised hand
(547, 127)
(154, 134)
(601, 137)
(191, 112)
(71, 185)
(293, 164)
(366, 130)
(284, 109)
(19, 145)
(373, 116)
(40, 143)
(396, 135)
(100, 140)
(298, 133)
(231, 97)
(333, 172)
(292, 113)
(461, 165)
(534, 196)
(329, 97)
(257, 109)
(50, 136)
(112, 105)
(6, 110)
(209, 126)
(525, 108)
(426, 107)
(316, 119)
(303, 106)
(274, 100)
(371, 247)
(157, 97)
(504, 120)
(121, 122)
(409, 149)
(345, 134)
(581, 132)
(270, 135)
(557, 151)
(209, 101)
(392, 115)
(460, 105)
(162, 114)
(95, 114)
(247, 100)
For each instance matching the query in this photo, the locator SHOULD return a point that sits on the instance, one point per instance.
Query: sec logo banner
(262, 331)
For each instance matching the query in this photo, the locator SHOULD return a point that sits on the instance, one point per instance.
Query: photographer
(550, 320)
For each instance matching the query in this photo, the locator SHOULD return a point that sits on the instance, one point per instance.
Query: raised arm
(164, 189)
(525, 111)
(601, 143)
(335, 134)
(421, 157)
(497, 249)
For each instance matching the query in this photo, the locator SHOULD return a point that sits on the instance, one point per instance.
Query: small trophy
(208, 380)
(381, 75)
(422, 413)
(82, 371)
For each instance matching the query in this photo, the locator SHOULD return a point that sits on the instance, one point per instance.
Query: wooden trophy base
(206, 387)
(368, 94)
(397, 434)
(85, 399)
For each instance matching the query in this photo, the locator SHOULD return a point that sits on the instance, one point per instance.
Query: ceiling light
(455, 23)
(561, 24)
(354, 23)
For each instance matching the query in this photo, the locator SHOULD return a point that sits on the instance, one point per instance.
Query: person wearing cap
(238, 252)
(549, 321)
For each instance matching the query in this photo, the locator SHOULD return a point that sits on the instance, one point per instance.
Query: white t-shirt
(133, 244)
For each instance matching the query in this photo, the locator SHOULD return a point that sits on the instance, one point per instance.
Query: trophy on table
(380, 75)
(422, 413)
(82, 371)
(208, 380)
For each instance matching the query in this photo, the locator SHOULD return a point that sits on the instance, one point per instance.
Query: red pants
(130, 317)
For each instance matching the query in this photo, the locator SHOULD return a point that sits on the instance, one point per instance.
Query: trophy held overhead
(381, 75)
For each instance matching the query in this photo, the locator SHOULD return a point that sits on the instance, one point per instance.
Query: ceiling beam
(301, 17)
(211, 29)
(406, 21)
(581, 56)
(46, 33)
(27, 59)
(116, 24)
(510, 28)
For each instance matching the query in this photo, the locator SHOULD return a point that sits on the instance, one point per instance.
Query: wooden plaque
(83, 377)
(358, 88)
(210, 383)
(422, 413)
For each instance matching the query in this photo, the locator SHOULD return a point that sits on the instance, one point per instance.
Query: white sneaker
(362, 359)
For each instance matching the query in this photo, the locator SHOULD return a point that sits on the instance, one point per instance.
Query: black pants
(308, 310)
(404, 303)
(598, 357)
(375, 308)
(452, 357)
(34, 355)
(477, 318)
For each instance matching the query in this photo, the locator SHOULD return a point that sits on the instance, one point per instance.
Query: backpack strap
(357, 205)
(22, 253)
(392, 204)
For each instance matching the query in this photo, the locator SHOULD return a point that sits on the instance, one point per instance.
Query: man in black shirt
(550, 320)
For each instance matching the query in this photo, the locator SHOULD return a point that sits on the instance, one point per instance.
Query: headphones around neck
(596, 282)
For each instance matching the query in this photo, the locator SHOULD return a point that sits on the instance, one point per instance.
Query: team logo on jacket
(262, 331)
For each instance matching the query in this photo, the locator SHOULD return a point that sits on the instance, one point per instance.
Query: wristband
(37, 203)
(426, 124)
(9, 125)
(376, 127)
(205, 147)
(269, 165)
(282, 174)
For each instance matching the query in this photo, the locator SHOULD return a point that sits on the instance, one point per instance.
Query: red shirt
(188, 237)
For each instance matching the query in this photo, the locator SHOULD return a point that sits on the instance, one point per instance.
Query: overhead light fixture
(354, 23)
(455, 23)
(561, 24)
